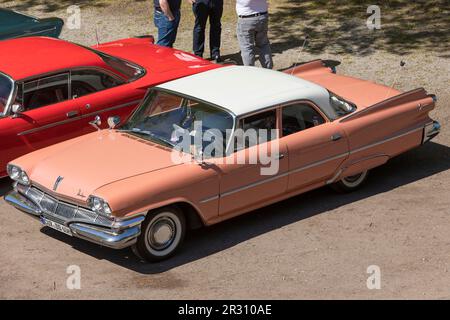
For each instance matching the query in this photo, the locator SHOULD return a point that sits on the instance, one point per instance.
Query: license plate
(56, 226)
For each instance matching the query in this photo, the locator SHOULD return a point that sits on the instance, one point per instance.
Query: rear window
(129, 70)
(341, 106)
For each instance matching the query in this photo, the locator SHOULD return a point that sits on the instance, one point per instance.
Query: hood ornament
(80, 194)
(57, 183)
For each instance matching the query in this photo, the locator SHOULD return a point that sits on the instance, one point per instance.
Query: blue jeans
(167, 30)
(202, 10)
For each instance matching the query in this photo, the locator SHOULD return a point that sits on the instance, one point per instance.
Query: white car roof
(244, 90)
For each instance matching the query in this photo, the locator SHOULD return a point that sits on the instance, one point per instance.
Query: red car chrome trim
(52, 125)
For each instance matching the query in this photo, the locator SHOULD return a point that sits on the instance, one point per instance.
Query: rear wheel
(351, 183)
(162, 234)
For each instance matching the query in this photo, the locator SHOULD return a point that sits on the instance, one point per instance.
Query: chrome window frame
(12, 95)
(306, 102)
(254, 113)
(104, 71)
(46, 76)
(69, 70)
(99, 54)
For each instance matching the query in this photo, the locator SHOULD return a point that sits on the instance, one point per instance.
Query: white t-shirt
(248, 7)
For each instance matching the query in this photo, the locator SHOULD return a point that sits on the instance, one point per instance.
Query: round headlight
(15, 173)
(96, 204)
(99, 205)
(106, 209)
(24, 178)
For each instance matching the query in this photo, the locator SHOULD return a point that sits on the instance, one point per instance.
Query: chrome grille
(66, 211)
(62, 212)
(35, 195)
(86, 215)
(48, 204)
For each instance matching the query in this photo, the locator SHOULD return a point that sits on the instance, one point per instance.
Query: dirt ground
(314, 246)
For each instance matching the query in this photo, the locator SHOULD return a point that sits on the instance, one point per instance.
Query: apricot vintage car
(51, 89)
(124, 187)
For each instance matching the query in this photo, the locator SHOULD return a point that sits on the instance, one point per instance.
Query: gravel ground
(316, 245)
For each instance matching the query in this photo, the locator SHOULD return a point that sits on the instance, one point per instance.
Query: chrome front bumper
(431, 130)
(120, 234)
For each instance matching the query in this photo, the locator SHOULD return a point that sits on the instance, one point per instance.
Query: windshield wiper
(151, 135)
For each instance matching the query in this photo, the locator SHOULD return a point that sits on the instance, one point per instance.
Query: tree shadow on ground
(339, 27)
(415, 165)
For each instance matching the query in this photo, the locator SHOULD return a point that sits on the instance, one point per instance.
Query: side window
(257, 128)
(84, 82)
(298, 117)
(43, 92)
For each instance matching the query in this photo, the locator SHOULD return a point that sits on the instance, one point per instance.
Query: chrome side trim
(52, 125)
(386, 140)
(253, 184)
(312, 165)
(30, 34)
(284, 174)
(334, 178)
(209, 199)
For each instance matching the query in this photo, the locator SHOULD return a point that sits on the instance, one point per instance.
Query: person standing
(167, 19)
(204, 9)
(252, 31)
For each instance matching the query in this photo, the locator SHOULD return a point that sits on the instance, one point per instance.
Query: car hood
(96, 160)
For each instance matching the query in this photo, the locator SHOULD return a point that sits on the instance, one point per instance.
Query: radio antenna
(96, 35)
(402, 64)
(299, 53)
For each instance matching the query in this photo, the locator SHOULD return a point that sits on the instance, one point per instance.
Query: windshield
(167, 119)
(6, 90)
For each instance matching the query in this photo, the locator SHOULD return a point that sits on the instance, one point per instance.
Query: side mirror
(113, 122)
(96, 123)
(17, 109)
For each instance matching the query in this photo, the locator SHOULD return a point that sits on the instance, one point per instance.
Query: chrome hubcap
(162, 233)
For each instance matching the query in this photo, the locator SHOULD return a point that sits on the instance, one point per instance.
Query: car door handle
(72, 114)
(336, 137)
(281, 156)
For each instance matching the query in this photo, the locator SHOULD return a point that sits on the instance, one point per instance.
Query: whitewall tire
(162, 234)
(352, 183)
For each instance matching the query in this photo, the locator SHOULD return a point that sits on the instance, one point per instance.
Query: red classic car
(50, 90)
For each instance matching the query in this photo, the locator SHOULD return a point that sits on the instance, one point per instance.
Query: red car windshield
(6, 89)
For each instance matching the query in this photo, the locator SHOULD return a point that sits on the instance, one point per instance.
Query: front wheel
(351, 183)
(162, 234)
